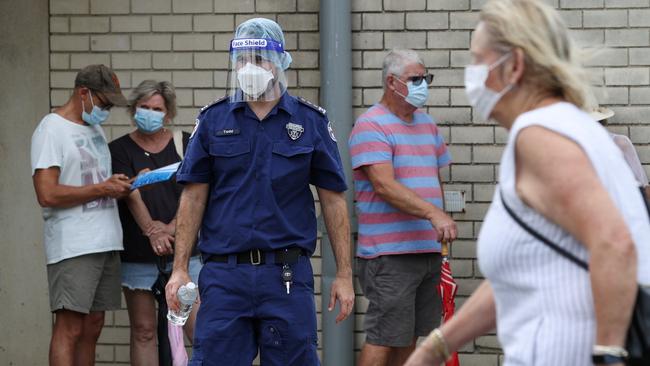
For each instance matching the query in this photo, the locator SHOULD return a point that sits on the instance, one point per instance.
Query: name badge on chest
(228, 132)
(294, 130)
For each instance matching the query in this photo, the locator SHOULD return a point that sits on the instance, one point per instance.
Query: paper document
(155, 176)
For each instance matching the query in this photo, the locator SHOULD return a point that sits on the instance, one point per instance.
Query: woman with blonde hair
(561, 176)
(149, 216)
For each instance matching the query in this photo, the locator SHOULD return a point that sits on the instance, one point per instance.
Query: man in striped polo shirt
(397, 152)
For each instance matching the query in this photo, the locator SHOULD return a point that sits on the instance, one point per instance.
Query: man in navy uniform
(247, 171)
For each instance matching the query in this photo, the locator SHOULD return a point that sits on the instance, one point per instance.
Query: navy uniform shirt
(259, 174)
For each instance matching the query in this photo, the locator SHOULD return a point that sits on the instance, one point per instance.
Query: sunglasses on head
(417, 80)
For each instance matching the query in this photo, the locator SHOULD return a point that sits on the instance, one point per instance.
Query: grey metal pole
(336, 97)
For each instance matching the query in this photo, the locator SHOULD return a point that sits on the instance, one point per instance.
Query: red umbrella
(447, 289)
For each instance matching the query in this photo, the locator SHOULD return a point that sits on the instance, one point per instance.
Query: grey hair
(396, 61)
(149, 88)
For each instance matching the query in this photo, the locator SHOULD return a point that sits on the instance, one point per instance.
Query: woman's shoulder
(123, 144)
(560, 113)
(122, 139)
(561, 117)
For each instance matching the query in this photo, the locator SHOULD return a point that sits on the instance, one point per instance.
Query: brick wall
(186, 42)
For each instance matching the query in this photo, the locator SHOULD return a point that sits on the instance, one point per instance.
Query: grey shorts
(403, 301)
(86, 283)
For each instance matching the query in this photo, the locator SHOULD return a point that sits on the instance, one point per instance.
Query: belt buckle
(257, 261)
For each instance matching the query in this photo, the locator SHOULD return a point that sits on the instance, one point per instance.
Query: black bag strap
(645, 199)
(161, 263)
(561, 251)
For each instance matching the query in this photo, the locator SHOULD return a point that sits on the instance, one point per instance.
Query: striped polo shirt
(416, 150)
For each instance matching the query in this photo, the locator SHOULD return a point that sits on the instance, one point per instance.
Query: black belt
(256, 256)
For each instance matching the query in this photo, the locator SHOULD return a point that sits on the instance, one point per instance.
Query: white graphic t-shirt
(82, 154)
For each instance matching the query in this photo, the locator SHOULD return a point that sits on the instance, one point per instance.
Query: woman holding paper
(148, 215)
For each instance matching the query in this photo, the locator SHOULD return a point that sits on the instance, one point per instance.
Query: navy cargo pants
(245, 307)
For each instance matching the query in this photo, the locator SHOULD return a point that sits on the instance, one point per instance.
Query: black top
(161, 198)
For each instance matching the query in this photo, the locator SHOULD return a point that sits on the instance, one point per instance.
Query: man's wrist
(101, 190)
(344, 273)
(184, 268)
(434, 212)
(181, 261)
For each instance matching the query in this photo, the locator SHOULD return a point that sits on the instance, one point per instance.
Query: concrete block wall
(186, 42)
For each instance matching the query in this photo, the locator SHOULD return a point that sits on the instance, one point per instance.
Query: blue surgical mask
(97, 116)
(418, 94)
(148, 120)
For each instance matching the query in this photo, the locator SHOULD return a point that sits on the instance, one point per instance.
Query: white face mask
(254, 80)
(482, 98)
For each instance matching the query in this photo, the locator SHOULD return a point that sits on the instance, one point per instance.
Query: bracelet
(439, 344)
(607, 355)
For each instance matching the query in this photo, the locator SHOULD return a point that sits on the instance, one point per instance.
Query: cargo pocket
(273, 346)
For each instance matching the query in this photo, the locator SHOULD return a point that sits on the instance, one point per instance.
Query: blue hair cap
(265, 28)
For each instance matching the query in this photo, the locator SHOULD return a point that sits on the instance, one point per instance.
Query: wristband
(608, 355)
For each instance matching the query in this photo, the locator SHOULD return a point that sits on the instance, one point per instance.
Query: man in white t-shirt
(71, 170)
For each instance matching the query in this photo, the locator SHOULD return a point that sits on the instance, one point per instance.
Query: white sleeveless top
(544, 304)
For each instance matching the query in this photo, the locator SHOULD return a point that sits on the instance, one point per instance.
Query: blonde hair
(552, 63)
(147, 89)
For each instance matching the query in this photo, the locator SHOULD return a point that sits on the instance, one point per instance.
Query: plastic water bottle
(186, 295)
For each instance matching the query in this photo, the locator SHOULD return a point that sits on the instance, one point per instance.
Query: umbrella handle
(445, 248)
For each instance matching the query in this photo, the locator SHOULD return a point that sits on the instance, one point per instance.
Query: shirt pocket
(290, 165)
(230, 162)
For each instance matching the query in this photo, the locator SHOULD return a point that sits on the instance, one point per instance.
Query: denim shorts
(141, 276)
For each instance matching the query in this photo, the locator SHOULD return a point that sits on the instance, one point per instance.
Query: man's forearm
(188, 222)
(63, 196)
(337, 223)
(407, 201)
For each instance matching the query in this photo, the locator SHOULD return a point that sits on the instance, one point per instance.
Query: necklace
(151, 144)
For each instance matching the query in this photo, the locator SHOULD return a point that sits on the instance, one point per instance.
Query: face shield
(256, 71)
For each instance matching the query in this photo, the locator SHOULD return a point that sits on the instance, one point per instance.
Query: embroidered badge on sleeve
(331, 131)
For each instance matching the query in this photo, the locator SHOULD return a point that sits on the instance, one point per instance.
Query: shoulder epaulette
(311, 105)
(215, 102)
